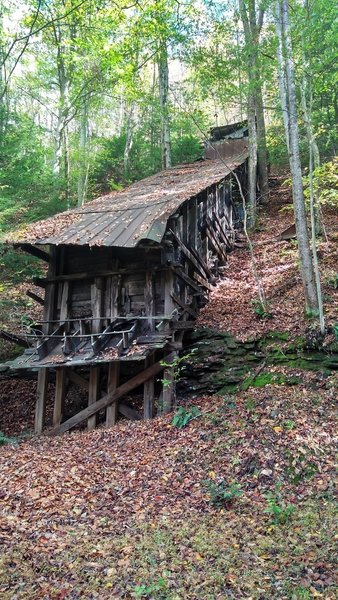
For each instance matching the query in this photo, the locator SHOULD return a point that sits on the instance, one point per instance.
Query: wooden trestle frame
(135, 305)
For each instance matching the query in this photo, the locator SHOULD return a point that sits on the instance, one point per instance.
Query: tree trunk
(281, 75)
(262, 153)
(252, 168)
(252, 26)
(310, 292)
(129, 140)
(163, 79)
(83, 154)
(2, 81)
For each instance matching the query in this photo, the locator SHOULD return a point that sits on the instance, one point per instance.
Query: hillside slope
(238, 504)
(128, 512)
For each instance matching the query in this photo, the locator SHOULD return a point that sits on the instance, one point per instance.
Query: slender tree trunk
(252, 24)
(262, 153)
(83, 154)
(2, 79)
(66, 164)
(281, 74)
(305, 257)
(129, 140)
(252, 168)
(163, 79)
(313, 148)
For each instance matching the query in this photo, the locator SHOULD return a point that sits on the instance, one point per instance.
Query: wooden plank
(181, 325)
(34, 251)
(190, 256)
(202, 261)
(113, 381)
(43, 281)
(50, 343)
(78, 380)
(168, 289)
(108, 399)
(129, 412)
(187, 280)
(149, 298)
(169, 384)
(60, 389)
(97, 301)
(41, 395)
(214, 241)
(49, 309)
(203, 282)
(148, 391)
(218, 227)
(35, 297)
(93, 394)
(186, 307)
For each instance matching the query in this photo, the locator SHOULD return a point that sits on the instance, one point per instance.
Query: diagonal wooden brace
(109, 399)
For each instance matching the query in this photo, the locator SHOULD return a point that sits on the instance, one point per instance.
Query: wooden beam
(14, 338)
(169, 385)
(108, 399)
(43, 281)
(113, 381)
(35, 297)
(93, 394)
(37, 252)
(202, 261)
(78, 380)
(64, 302)
(41, 395)
(60, 389)
(148, 392)
(186, 307)
(129, 412)
(221, 232)
(50, 343)
(97, 302)
(214, 241)
(193, 284)
(149, 298)
(181, 325)
(190, 256)
(204, 283)
(50, 295)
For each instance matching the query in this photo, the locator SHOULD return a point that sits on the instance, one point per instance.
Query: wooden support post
(64, 302)
(113, 382)
(149, 298)
(97, 301)
(148, 391)
(169, 304)
(168, 394)
(108, 399)
(93, 393)
(41, 395)
(60, 389)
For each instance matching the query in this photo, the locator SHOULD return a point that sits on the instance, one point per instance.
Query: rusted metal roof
(138, 212)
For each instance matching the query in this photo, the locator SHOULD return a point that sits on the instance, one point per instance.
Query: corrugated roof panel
(138, 212)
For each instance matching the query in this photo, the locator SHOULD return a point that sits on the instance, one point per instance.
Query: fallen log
(14, 338)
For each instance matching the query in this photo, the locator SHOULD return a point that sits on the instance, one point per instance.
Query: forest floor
(237, 504)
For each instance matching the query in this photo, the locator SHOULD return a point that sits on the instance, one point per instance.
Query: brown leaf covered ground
(129, 512)
(230, 307)
(101, 514)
